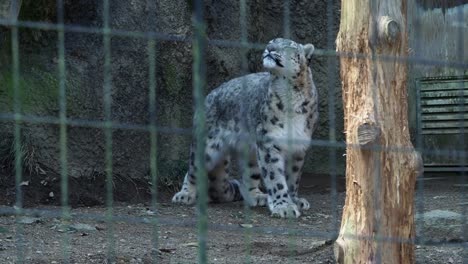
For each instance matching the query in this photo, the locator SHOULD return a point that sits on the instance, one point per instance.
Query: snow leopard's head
(284, 57)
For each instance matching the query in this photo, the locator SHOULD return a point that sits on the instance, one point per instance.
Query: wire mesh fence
(427, 121)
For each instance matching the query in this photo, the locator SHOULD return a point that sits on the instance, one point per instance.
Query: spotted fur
(272, 116)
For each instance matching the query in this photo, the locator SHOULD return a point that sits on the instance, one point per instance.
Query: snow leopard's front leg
(272, 167)
(188, 192)
(293, 177)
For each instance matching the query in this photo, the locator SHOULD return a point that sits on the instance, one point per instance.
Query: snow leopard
(271, 116)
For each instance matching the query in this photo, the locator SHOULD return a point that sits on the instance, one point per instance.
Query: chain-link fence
(437, 88)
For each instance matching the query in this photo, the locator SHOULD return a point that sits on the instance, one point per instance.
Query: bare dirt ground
(235, 235)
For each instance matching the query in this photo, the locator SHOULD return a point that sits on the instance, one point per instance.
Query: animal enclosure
(96, 103)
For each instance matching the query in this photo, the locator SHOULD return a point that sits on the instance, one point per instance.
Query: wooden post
(378, 217)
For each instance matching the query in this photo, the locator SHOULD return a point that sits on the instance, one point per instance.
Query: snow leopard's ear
(308, 51)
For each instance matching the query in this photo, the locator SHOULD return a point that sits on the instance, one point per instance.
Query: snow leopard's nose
(272, 47)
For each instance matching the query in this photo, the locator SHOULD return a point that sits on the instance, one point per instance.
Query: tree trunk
(381, 164)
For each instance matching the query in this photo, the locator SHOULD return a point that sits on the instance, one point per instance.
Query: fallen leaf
(191, 244)
(25, 183)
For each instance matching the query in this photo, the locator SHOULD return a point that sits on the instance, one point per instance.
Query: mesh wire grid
(200, 43)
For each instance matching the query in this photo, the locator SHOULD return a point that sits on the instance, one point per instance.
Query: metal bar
(445, 109)
(444, 102)
(289, 111)
(279, 231)
(107, 104)
(153, 143)
(17, 101)
(377, 177)
(169, 221)
(463, 158)
(63, 130)
(186, 131)
(445, 117)
(442, 94)
(173, 221)
(153, 132)
(244, 168)
(52, 120)
(443, 124)
(331, 90)
(287, 18)
(439, 131)
(199, 83)
(228, 43)
(443, 85)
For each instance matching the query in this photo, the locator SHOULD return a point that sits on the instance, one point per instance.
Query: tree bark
(381, 164)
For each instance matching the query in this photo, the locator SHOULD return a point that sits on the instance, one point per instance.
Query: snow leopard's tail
(229, 191)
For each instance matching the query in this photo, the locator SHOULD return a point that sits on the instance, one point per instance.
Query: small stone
(149, 212)
(81, 227)
(29, 220)
(51, 195)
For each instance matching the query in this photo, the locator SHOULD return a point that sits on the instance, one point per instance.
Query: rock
(439, 225)
(439, 215)
(317, 245)
(130, 82)
(81, 227)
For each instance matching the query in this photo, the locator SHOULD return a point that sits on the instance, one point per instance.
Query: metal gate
(443, 122)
